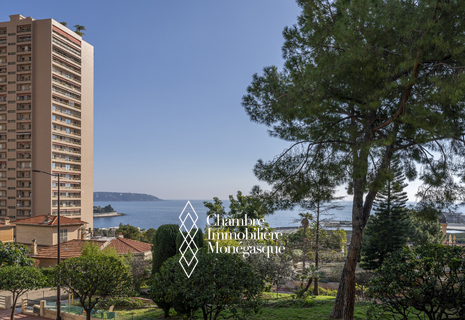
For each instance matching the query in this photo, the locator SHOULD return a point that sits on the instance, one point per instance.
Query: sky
(169, 77)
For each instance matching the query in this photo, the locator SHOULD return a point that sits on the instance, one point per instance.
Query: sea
(152, 214)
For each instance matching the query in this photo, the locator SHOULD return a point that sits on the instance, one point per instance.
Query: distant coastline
(123, 196)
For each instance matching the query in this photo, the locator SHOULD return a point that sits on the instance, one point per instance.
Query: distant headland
(123, 196)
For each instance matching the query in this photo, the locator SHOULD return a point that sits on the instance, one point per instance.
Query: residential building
(47, 257)
(46, 119)
(7, 231)
(42, 231)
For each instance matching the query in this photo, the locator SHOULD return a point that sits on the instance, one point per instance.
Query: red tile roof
(68, 249)
(123, 245)
(49, 220)
(72, 248)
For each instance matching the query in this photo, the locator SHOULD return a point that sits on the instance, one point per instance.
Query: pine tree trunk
(317, 243)
(338, 307)
(345, 299)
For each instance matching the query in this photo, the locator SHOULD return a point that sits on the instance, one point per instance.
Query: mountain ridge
(123, 196)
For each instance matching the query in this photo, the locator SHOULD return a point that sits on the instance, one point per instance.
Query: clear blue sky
(169, 78)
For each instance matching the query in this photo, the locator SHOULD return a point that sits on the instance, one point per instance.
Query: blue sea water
(152, 214)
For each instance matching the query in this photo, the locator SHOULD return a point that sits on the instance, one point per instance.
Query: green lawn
(282, 307)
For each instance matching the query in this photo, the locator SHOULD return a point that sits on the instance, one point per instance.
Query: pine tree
(386, 230)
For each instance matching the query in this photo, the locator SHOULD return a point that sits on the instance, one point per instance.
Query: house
(47, 257)
(44, 230)
(7, 231)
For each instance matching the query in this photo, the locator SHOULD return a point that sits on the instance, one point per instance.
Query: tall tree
(387, 229)
(363, 80)
(164, 245)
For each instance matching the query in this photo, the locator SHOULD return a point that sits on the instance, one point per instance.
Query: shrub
(419, 283)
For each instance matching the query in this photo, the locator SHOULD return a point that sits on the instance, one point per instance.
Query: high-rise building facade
(46, 119)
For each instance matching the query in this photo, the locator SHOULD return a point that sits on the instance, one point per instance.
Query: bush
(327, 292)
(423, 282)
(122, 303)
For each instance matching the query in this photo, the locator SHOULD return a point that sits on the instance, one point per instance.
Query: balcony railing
(24, 39)
(24, 30)
(67, 66)
(69, 58)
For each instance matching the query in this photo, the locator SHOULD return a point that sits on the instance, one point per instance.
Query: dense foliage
(253, 207)
(105, 209)
(14, 254)
(220, 283)
(164, 245)
(426, 281)
(147, 235)
(129, 231)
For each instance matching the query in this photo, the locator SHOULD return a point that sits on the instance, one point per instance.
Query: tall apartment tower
(46, 119)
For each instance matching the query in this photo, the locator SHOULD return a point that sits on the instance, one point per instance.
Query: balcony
(66, 84)
(66, 56)
(66, 65)
(22, 175)
(25, 39)
(23, 137)
(24, 69)
(23, 117)
(23, 147)
(66, 102)
(23, 78)
(65, 149)
(23, 107)
(66, 93)
(24, 59)
(24, 49)
(3, 41)
(67, 47)
(24, 29)
(24, 98)
(67, 112)
(23, 185)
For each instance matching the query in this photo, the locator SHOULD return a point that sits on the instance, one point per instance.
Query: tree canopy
(363, 80)
(14, 254)
(91, 278)
(18, 280)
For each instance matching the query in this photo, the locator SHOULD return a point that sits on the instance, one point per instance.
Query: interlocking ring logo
(188, 241)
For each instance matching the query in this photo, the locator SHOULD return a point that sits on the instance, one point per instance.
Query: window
(63, 235)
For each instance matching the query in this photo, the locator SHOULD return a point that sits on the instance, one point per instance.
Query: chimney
(7, 221)
(120, 235)
(34, 247)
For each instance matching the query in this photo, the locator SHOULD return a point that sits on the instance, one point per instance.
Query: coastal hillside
(123, 196)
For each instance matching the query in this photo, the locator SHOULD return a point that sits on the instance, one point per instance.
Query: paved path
(5, 315)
